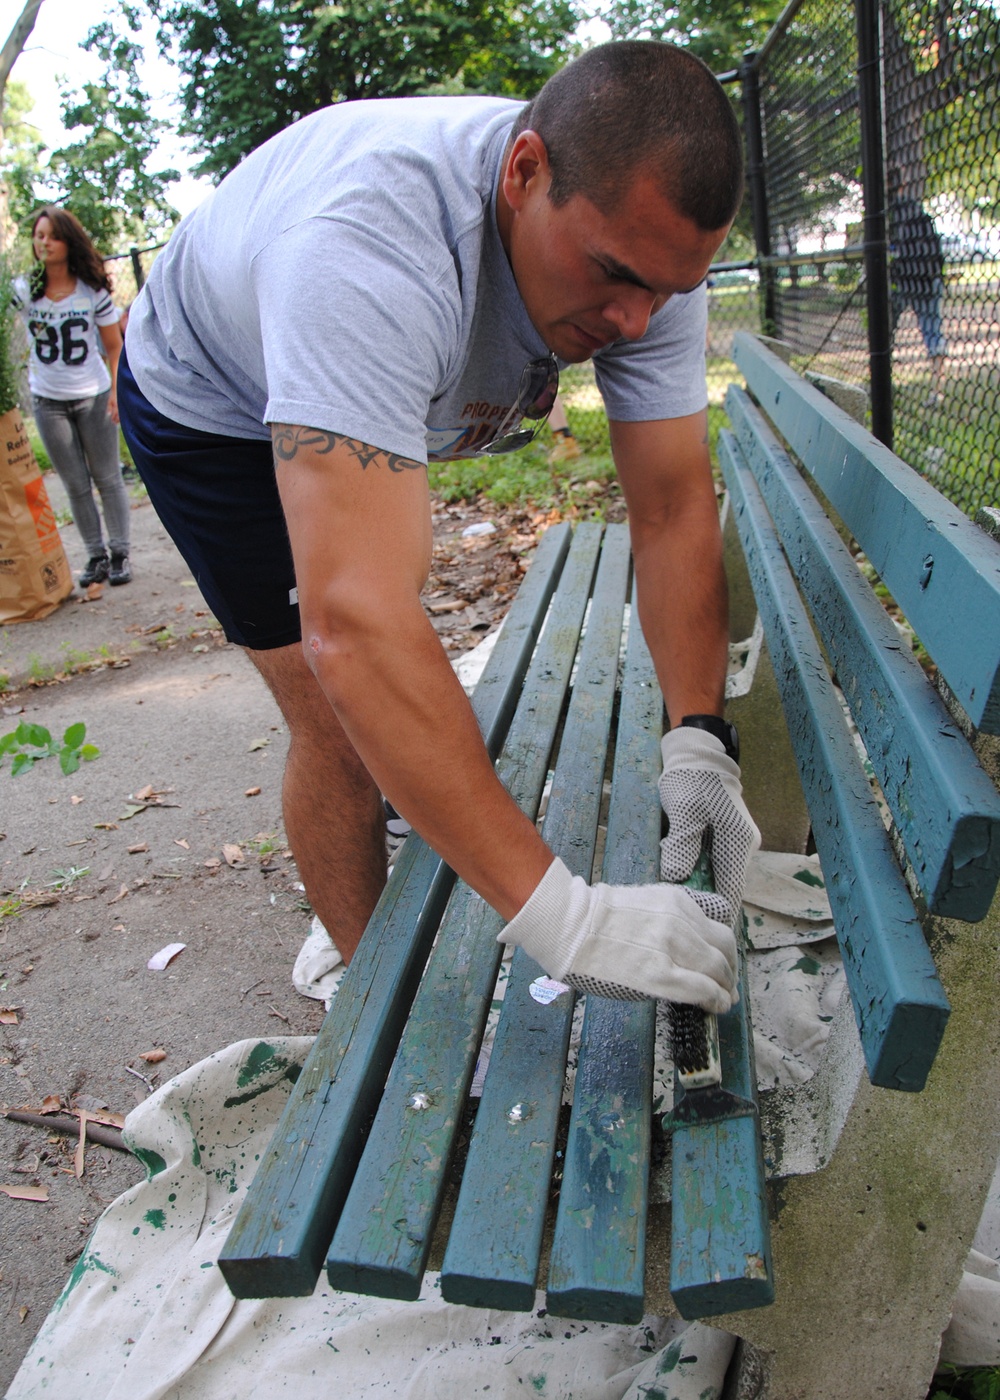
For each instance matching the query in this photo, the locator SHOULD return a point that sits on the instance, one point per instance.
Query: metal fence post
(875, 241)
(757, 188)
(140, 276)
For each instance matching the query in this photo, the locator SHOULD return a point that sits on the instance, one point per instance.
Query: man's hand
(701, 793)
(629, 942)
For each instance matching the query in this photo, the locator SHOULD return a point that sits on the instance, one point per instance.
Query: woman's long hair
(84, 261)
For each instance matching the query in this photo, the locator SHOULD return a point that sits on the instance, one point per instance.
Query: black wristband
(723, 729)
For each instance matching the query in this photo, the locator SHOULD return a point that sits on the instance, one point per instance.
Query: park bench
(800, 1222)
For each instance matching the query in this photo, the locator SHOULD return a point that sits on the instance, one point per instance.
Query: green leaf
(22, 762)
(35, 734)
(69, 761)
(89, 752)
(74, 735)
(8, 742)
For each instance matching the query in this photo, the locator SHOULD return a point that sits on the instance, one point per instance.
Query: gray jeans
(82, 443)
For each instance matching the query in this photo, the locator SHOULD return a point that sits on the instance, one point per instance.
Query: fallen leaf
(122, 892)
(252, 792)
(132, 810)
(8, 1015)
(25, 1193)
(23, 1311)
(153, 1057)
(181, 842)
(138, 848)
(166, 955)
(76, 800)
(212, 863)
(110, 1120)
(144, 794)
(233, 853)
(105, 826)
(51, 1103)
(258, 744)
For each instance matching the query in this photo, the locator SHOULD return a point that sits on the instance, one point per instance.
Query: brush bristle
(694, 1040)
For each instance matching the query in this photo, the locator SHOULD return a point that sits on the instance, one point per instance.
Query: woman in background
(72, 324)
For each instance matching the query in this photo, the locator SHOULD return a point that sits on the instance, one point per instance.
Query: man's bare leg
(333, 811)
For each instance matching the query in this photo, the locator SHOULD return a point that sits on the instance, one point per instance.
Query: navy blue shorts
(218, 498)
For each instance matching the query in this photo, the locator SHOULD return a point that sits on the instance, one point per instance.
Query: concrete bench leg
(868, 1251)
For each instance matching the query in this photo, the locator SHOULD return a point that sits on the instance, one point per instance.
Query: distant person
(73, 328)
(916, 271)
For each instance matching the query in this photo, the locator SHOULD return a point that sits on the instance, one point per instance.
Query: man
(916, 271)
(383, 282)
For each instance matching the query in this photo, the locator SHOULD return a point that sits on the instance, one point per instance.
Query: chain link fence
(877, 213)
(128, 271)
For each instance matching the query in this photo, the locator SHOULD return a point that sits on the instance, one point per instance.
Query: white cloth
(146, 1314)
(66, 359)
(349, 276)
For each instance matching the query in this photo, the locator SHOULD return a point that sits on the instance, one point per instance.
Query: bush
(8, 370)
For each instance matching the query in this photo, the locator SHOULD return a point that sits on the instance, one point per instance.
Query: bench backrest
(945, 572)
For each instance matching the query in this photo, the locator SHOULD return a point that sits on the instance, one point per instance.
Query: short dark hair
(635, 106)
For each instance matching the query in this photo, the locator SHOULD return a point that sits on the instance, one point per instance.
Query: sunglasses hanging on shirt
(535, 397)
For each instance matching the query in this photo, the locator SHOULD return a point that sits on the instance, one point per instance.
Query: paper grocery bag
(34, 572)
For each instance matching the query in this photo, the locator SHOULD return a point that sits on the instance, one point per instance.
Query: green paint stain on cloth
(262, 1069)
(151, 1160)
(808, 878)
(807, 965)
(87, 1263)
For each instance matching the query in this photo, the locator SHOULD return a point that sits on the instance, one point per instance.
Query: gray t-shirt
(349, 276)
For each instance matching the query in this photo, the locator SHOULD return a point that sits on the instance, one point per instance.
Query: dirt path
(173, 835)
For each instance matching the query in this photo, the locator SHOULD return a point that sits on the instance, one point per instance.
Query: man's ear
(527, 163)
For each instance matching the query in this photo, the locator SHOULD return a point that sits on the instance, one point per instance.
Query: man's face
(587, 278)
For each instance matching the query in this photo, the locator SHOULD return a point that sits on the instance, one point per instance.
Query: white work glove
(700, 791)
(629, 941)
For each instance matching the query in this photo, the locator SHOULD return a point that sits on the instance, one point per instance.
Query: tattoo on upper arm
(289, 439)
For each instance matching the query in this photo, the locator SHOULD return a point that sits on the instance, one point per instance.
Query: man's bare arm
(359, 523)
(666, 476)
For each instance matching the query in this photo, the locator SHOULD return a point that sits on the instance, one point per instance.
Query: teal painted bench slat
(281, 1234)
(899, 1005)
(947, 810)
(926, 552)
(720, 1238)
(385, 1232)
(597, 1268)
(494, 1247)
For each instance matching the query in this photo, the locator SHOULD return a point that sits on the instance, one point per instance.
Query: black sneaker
(96, 570)
(120, 572)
